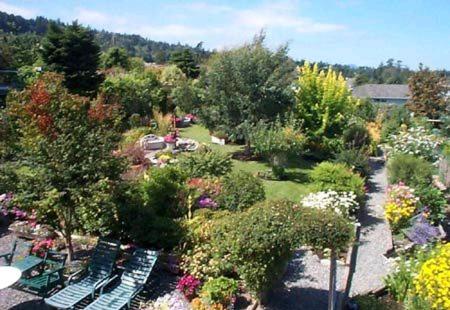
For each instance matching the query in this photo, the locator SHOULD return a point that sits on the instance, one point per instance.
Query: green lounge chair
(20, 256)
(131, 283)
(94, 277)
(49, 278)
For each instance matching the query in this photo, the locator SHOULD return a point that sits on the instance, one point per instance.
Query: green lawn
(293, 188)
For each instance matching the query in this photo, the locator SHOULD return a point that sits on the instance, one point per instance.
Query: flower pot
(217, 140)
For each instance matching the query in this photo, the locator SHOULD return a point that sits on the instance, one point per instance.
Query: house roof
(382, 91)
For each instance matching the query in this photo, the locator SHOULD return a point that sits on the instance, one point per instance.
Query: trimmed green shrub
(220, 290)
(205, 163)
(8, 178)
(411, 170)
(142, 224)
(161, 190)
(150, 210)
(357, 160)
(337, 177)
(260, 241)
(357, 136)
(240, 190)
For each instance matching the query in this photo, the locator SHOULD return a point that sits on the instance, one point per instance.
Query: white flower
(343, 203)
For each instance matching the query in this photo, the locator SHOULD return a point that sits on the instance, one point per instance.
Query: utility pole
(332, 286)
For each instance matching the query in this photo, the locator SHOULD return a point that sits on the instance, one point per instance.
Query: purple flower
(19, 214)
(422, 231)
(206, 202)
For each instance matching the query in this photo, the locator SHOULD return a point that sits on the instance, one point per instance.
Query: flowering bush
(8, 208)
(422, 231)
(433, 281)
(343, 203)
(170, 301)
(416, 141)
(5, 203)
(189, 286)
(204, 192)
(400, 283)
(41, 246)
(400, 206)
(206, 202)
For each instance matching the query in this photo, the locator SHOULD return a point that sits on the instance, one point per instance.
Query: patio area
(160, 283)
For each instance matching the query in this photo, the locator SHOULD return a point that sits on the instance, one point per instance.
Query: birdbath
(9, 276)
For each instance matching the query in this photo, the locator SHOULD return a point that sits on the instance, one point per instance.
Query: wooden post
(332, 286)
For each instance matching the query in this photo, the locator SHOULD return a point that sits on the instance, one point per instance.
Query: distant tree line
(391, 72)
(16, 30)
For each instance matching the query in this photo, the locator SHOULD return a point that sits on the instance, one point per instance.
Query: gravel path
(305, 284)
(375, 239)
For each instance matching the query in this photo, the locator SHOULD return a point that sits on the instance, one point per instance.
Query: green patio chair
(91, 279)
(20, 256)
(131, 283)
(51, 276)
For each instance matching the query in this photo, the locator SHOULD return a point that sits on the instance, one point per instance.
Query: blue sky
(361, 32)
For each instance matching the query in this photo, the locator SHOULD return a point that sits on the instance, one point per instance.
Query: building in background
(383, 93)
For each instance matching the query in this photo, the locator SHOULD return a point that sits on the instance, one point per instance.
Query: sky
(359, 32)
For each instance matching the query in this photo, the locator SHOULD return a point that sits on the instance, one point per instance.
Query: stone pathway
(375, 238)
(305, 284)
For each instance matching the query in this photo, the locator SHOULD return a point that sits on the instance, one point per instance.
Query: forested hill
(151, 51)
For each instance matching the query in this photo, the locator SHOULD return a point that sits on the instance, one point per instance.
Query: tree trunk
(68, 237)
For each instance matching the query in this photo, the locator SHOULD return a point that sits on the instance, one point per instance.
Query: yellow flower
(433, 281)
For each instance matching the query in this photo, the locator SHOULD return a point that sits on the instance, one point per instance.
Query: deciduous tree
(68, 143)
(246, 85)
(427, 93)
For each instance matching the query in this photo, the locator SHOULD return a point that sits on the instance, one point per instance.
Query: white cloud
(12, 9)
(203, 7)
(96, 18)
(282, 16)
(217, 25)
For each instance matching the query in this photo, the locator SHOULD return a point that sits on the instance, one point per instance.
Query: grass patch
(298, 169)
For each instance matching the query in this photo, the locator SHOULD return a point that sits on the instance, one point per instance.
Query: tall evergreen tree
(73, 52)
(184, 60)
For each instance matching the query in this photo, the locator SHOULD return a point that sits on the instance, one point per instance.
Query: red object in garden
(193, 118)
(188, 285)
(172, 137)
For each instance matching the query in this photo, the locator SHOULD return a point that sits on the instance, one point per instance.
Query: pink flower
(188, 285)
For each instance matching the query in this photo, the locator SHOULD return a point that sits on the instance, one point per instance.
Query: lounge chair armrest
(108, 283)
(140, 288)
(73, 275)
(98, 285)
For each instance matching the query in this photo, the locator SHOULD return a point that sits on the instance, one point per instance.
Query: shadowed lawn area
(298, 170)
